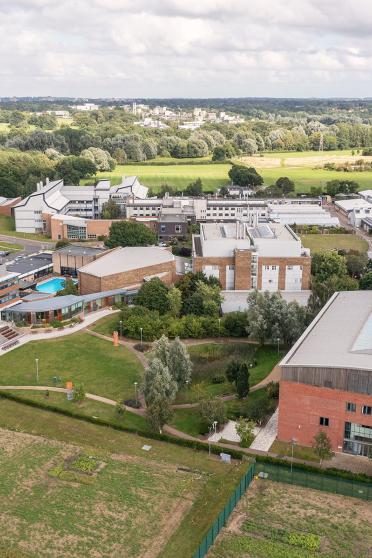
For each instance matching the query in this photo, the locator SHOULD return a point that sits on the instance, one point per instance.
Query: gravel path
(267, 435)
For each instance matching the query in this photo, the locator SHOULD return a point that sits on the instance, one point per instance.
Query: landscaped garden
(210, 361)
(97, 492)
(284, 521)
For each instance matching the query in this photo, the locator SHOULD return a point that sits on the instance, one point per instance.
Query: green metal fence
(225, 514)
(275, 472)
(327, 483)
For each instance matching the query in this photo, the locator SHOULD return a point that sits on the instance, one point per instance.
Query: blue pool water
(52, 286)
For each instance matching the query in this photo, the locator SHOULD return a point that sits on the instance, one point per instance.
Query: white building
(86, 107)
(81, 201)
(306, 214)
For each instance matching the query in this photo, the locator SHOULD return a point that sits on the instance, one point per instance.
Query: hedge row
(193, 444)
(175, 163)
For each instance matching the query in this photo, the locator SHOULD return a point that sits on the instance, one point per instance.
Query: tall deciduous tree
(242, 381)
(322, 446)
(328, 263)
(175, 301)
(130, 233)
(179, 362)
(154, 295)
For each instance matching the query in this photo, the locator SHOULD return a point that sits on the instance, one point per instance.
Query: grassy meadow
(139, 504)
(321, 242)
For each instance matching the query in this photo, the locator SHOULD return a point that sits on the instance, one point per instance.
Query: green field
(321, 242)
(9, 246)
(178, 176)
(215, 176)
(80, 357)
(277, 520)
(139, 505)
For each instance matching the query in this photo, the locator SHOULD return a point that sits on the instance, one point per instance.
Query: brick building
(327, 377)
(67, 260)
(127, 267)
(267, 256)
(6, 205)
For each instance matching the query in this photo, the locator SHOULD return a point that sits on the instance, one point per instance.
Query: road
(30, 246)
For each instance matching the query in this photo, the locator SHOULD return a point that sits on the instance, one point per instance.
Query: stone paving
(267, 435)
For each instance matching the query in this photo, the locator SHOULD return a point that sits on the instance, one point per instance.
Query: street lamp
(278, 340)
(37, 370)
(219, 327)
(209, 440)
(141, 330)
(135, 391)
(293, 443)
(121, 328)
(215, 426)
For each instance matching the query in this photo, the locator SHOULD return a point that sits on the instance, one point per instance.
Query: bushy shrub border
(193, 444)
(153, 162)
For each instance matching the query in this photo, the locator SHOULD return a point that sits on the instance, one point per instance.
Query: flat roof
(27, 264)
(127, 259)
(241, 230)
(78, 250)
(349, 205)
(339, 337)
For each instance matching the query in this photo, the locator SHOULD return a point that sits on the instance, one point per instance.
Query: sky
(186, 48)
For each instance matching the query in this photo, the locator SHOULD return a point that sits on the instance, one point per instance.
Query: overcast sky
(186, 48)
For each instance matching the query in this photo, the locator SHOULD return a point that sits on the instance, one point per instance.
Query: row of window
(351, 408)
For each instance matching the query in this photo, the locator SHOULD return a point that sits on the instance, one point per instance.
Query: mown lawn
(300, 452)
(140, 502)
(103, 369)
(277, 520)
(10, 246)
(107, 325)
(321, 242)
(179, 176)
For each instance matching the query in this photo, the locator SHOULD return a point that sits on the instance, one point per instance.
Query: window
(324, 421)
(267, 267)
(351, 407)
(366, 410)
(178, 228)
(162, 228)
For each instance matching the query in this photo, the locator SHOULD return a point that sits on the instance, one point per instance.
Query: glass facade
(358, 439)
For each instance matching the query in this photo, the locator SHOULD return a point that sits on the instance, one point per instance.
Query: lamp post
(141, 330)
(293, 443)
(209, 441)
(219, 327)
(278, 340)
(135, 391)
(215, 426)
(37, 370)
(121, 328)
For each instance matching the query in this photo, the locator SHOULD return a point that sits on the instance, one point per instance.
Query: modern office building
(326, 381)
(127, 267)
(267, 256)
(33, 214)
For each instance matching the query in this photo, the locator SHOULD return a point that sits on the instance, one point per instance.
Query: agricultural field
(321, 242)
(285, 521)
(80, 357)
(84, 490)
(210, 361)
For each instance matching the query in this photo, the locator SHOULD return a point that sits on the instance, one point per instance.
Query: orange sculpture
(115, 336)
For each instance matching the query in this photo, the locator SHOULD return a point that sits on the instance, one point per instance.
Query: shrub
(57, 324)
(135, 404)
(272, 390)
(219, 379)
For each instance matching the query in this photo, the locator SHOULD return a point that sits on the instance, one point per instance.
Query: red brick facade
(242, 262)
(302, 405)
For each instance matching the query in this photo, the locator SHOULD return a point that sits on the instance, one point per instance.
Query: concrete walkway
(41, 336)
(267, 435)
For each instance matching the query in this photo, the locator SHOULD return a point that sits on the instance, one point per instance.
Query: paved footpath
(267, 435)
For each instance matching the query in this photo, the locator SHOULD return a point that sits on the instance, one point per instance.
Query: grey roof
(127, 259)
(59, 302)
(339, 337)
(79, 250)
(172, 218)
(28, 264)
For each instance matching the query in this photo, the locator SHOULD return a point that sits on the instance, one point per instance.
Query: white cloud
(178, 48)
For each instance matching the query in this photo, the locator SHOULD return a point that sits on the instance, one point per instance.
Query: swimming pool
(52, 286)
